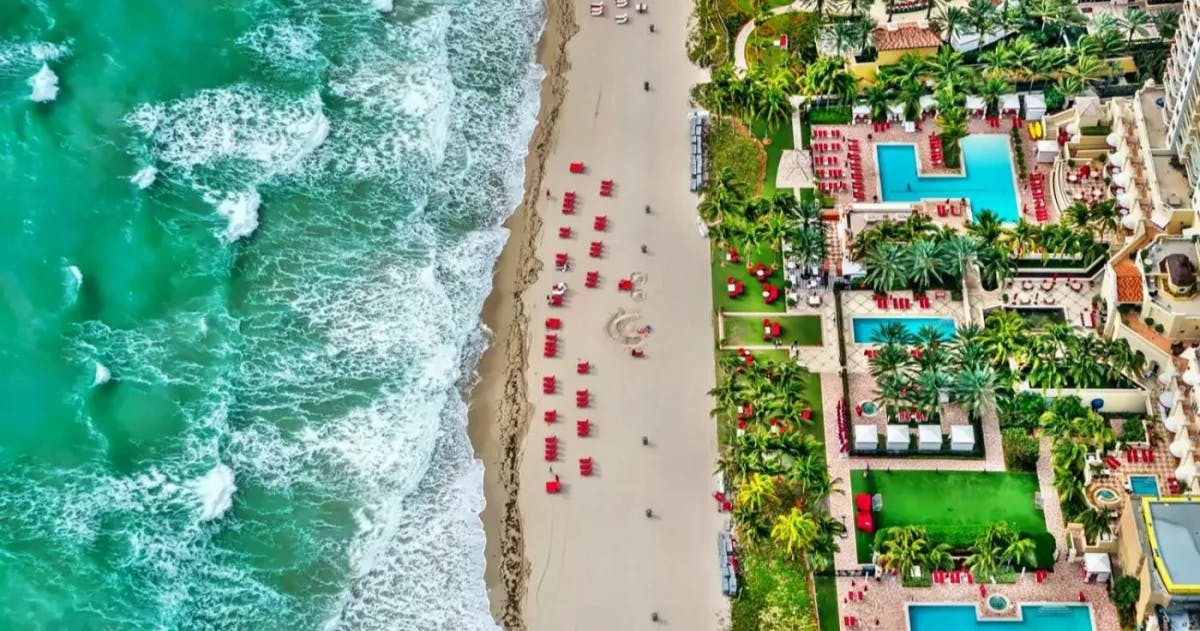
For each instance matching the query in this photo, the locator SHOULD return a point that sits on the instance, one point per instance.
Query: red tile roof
(905, 37)
(1129, 282)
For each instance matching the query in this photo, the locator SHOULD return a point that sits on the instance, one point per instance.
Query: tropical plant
(795, 531)
(1097, 523)
(953, 123)
(951, 22)
(1126, 592)
(722, 195)
(884, 268)
(981, 17)
(1135, 22)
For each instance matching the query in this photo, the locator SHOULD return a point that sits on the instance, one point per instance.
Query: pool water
(1143, 485)
(987, 181)
(964, 618)
(865, 327)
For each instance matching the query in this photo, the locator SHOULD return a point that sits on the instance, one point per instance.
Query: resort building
(892, 41)
(1182, 95)
(1159, 544)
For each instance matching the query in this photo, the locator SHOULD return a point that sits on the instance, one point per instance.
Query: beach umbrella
(1186, 471)
(1113, 139)
(1122, 179)
(1166, 399)
(1175, 420)
(1181, 445)
(1125, 200)
(1130, 221)
(1117, 158)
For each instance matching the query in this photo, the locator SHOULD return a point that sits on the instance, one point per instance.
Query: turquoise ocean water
(243, 250)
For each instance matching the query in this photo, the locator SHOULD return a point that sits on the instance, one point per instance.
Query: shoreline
(498, 405)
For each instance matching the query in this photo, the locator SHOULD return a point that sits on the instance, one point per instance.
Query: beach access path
(595, 560)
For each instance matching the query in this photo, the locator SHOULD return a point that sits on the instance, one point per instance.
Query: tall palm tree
(883, 266)
(995, 267)
(757, 493)
(1105, 38)
(953, 122)
(902, 549)
(947, 65)
(722, 195)
(1020, 551)
(878, 98)
(1088, 69)
(1135, 22)
(982, 17)
(1005, 335)
(975, 390)
(1166, 23)
(1097, 523)
(951, 22)
(985, 226)
(893, 333)
(990, 90)
(924, 263)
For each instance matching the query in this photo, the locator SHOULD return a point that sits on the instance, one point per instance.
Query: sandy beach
(589, 558)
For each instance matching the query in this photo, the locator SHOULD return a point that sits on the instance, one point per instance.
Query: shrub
(730, 146)
(1020, 450)
(1021, 411)
(1160, 328)
(1125, 593)
(1133, 431)
(1149, 321)
(837, 115)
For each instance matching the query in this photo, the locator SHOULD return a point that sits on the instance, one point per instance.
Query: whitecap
(102, 375)
(383, 6)
(144, 177)
(241, 211)
(215, 490)
(44, 84)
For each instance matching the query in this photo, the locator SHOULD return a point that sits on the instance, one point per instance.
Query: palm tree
(757, 493)
(953, 122)
(795, 531)
(884, 271)
(975, 390)
(982, 17)
(1087, 69)
(910, 94)
(1135, 22)
(893, 333)
(773, 102)
(1097, 523)
(1005, 335)
(947, 65)
(951, 22)
(1020, 551)
(924, 263)
(722, 196)
(1105, 37)
(1166, 23)
(985, 226)
(878, 98)
(995, 267)
(902, 549)
(990, 90)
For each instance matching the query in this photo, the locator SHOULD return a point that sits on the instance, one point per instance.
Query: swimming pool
(1144, 485)
(987, 181)
(1034, 618)
(865, 327)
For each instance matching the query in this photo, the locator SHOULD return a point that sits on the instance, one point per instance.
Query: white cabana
(962, 438)
(928, 103)
(1097, 567)
(1125, 200)
(1130, 221)
(1113, 140)
(929, 437)
(1117, 158)
(866, 437)
(1186, 471)
(1176, 419)
(896, 111)
(1047, 151)
(898, 437)
(1122, 179)
(1035, 106)
(1181, 446)
(975, 103)
(861, 110)
(1010, 104)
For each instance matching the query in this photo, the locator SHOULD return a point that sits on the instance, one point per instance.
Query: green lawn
(953, 506)
(781, 138)
(751, 300)
(769, 579)
(804, 330)
(827, 603)
(732, 148)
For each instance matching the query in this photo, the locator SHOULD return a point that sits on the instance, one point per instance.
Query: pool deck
(920, 138)
(859, 303)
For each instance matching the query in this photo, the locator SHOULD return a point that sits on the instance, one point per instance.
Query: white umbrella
(1186, 471)
(1117, 158)
(1130, 221)
(927, 103)
(1192, 376)
(1125, 200)
(975, 102)
(1122, 179)
(1113, 139)
(1175, 420)
(1181, 445)
(1166, 399)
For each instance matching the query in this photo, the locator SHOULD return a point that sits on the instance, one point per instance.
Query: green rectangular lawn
(804, 330)
(751, 300)
(781, 138)
(953, 506)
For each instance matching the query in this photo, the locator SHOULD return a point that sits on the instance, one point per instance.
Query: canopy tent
(866, 437)
(962, 438)
(861, 110)
(929, 437)
(1035, 106)
(898, 437)
(975, 103)
(896, 111)
(1113, 139)
(1181, 446)
(1010, 104)
(928, 103)
(1097, 567)
(1088, 110)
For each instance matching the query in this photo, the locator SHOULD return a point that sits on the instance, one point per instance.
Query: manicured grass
(804, 330)
(953, 506)
(752, 299)
(781, 138)
(827, 603)
(811, 194)
(770, 579)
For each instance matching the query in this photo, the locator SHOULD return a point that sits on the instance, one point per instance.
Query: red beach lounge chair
(550, 416)
(564, 232)
(583, 428)
(600, 222)
(625, 284)
(549, 385)
(553, 324)
(585, 466)
(583, 368)
(576, 167)
(553, 487)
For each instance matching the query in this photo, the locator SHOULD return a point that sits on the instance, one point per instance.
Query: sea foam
(240, 210)
(144, 177)
(215, 490)
(383, 6)
(102, 375)
(44, 84)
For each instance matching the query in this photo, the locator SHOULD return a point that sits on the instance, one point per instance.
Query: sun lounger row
(826, 133)
(698, 122)
(949, 208)
(592, 279)
(826, 161)
(596, 249)
(550, 349)
(1139, 455)
(854, 159)
(826, 147)
(727, 559)
(568, 203)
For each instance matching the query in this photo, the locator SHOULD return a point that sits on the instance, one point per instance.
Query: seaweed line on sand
(513, 406)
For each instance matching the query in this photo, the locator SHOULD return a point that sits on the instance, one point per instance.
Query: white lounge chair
(622, 18)
(597, 9)
(621, 4)
(641, 8)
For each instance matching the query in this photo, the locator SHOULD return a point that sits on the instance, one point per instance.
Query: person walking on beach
(646, 86)
(649, 513)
